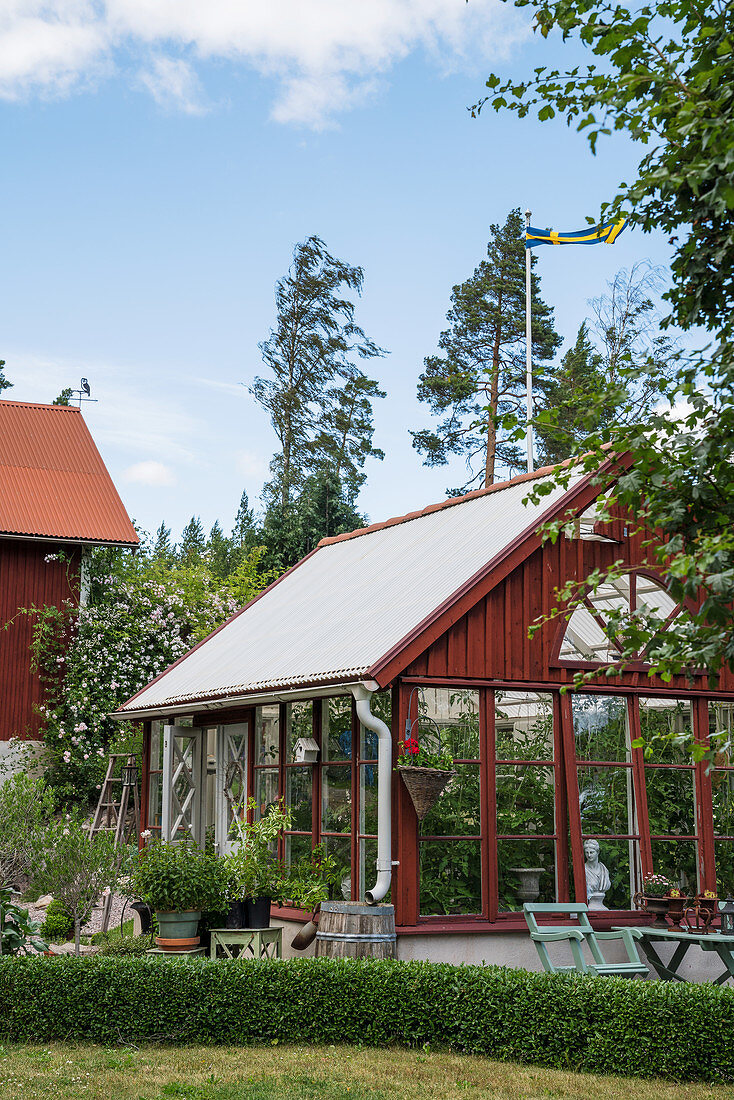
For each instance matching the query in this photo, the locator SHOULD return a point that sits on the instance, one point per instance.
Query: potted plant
(655, 897)
(425, 772)
(676, 905)
(178, 881)
(254, 874)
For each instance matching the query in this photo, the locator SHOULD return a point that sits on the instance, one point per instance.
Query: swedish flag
(600, 234)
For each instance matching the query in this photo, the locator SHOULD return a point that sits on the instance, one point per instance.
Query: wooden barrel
(353, 930)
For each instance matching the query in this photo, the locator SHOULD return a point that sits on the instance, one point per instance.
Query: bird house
(305, 751)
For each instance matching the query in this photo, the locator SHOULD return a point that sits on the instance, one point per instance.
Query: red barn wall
(491, 641)
(27, 580)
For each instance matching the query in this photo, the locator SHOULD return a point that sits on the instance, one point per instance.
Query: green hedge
(604, 1025)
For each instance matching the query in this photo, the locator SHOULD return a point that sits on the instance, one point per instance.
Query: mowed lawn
(304, 1073)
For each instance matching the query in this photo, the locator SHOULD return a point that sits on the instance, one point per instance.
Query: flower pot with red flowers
(425, 772)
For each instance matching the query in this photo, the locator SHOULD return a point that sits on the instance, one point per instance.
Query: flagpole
(528, 352)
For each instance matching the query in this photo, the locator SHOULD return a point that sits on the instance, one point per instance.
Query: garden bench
(576, 935)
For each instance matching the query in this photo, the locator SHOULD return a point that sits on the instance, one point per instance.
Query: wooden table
(253, 943)
(708, 941)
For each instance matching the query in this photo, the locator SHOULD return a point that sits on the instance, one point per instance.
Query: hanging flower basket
(424, 786)
(425, 771)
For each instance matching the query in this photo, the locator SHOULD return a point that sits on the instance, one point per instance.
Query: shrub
(129, 945)
(25, 806)
(18, 934)
(601, 1025)
(59, 923)
(178, 877)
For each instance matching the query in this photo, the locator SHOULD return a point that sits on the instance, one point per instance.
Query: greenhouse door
(183, 783)
(231, 796)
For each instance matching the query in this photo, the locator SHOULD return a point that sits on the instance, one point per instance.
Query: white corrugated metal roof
(347, 605)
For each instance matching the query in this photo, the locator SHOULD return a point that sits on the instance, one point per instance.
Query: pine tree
(193, 542)
(244, 524)
(5, 384)
(564, 401)
(481, 374)
(310, 350)
(64, 397)
(221, 552)
(163, 548)
(343, 442)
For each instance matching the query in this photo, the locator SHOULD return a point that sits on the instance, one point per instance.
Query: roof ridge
(441, 504)
(36, 405)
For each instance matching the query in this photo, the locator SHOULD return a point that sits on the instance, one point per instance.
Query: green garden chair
(576, 935)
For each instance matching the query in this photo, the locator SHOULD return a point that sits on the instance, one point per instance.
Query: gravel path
(94, 924)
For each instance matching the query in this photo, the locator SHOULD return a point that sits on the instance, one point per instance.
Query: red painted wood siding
(27, 580)
(491, 640)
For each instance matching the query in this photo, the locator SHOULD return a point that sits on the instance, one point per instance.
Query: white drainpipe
(385, 864)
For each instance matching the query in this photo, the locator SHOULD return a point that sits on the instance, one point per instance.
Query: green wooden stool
(253, 943)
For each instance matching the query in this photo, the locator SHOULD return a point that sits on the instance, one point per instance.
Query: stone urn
(529, 888)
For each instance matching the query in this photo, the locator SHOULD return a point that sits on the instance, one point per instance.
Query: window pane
(721, 720)
(457, 811)
(298, 796)
(336, 728)
(381, 705)
(450, 877)
(368, 798)
(661, 718)
(600, 727)
(336, 799)
(266, 790)
(676, 859)
(722, 794)
(606, 800)
(299, 724)
(341, 851)
(523, 724)
(670, 801)
(449, 716)
(622, 860)
(525, 799)
(526, 872)
(724, 850)
(368, 867)
(296, 848)
(267, 741)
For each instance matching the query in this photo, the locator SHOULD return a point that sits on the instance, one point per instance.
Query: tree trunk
(77, 936)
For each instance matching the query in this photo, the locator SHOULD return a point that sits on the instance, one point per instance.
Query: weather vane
(83, 393)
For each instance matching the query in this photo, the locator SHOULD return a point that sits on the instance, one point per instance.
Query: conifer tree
(163, 548)
(244, 524)
(193, 542)
(5, 383)
(480, 374)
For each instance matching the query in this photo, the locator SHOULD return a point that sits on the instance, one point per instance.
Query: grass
(64, 1072)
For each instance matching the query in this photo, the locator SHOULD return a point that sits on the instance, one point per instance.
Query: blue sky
(157, 175)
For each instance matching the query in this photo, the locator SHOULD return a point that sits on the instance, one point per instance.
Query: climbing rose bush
(142, 614)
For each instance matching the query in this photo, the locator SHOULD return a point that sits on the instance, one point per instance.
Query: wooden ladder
(112, 813)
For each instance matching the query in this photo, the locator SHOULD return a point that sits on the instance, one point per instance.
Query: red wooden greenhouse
(420, 624)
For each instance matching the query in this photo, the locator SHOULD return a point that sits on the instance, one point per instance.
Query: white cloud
(174, 85)
(150, 473)
(325, 55)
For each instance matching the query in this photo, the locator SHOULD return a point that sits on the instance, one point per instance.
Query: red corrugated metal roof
(53, 482)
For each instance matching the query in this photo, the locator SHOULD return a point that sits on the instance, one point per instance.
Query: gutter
(183, 709)
(363, 694)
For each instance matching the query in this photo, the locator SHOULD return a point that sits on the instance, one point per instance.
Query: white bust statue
(597, 876)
